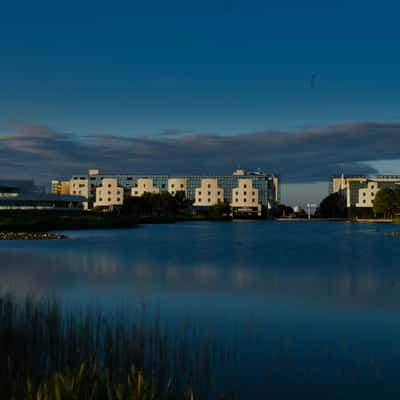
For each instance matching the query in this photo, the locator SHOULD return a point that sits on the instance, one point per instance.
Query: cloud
(175, 132)
(311, 155)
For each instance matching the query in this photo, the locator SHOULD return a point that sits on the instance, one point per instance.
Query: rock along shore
(30, 236)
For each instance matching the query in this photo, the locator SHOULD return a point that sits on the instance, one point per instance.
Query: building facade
(109, 193)
(144, 185)
(209, 193)
(245, 198)
(60, 187)
(221, 188)
(360, 191)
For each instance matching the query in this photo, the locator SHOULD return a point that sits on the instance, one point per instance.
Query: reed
(47, 352)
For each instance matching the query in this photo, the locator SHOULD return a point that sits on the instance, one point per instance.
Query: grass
(45, 221)
(41, 221)
(47, 352)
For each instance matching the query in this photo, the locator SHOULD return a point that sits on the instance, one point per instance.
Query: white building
(360, 191)
(109, 193)
(209, 193)
(366, 196)
(177, 185)
(245, 198)
(144, 185)
(222, 187)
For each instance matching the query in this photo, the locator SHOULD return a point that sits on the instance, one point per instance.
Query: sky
(303, 89)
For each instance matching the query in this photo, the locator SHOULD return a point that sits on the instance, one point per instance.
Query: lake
(308, 308)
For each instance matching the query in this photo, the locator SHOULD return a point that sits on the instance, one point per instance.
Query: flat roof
(44, 197)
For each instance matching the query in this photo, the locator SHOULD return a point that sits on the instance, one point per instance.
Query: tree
(157, 205)
(387, 202)
(332, 206)
(221, 209)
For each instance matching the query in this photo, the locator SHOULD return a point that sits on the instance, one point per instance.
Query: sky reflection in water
(327, 293)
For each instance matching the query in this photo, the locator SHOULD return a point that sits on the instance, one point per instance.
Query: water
(307, 307)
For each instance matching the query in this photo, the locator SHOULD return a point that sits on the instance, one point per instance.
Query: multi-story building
(209, 193)
(25, 195)
(245, 198)
(360, 191)
(60, 187)
(177, 185)
(109, 193)
(221, 188)
(144, 185)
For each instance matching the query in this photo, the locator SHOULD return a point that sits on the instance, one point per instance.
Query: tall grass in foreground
(49, 353)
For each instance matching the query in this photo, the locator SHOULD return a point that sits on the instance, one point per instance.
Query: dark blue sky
(223, 67)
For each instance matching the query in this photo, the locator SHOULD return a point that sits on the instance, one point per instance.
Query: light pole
(309, 205)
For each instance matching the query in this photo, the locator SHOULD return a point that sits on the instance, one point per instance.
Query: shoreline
(31, 236)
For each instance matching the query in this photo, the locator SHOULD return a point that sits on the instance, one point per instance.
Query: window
(118, 199)
(163, 185)
(74, 191)
(254, 193)
(209, 186)
(372, 194)
(199, 199)
(364, 194)
(245, 193)
(244, 200)
(209, 193)
(144, 185)
(209, 200)
(245, 186)
(199, 193)
(172, 185)
(109, 185)
(181, 185)
(237, 193)
(109, 200)
(109, 192)
(372, 187)
(136, 192)
(364, 201)
(237, 200)
(254, 200)
(118, 192)
(100, 199)
(81, 185)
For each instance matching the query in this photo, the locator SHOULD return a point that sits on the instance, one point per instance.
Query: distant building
(144, 185)
(25, 195)
(109, 193)
(209, 193)
(204, 190)
(245, 198)
(360, 191)
(60, 187)
(41, 201)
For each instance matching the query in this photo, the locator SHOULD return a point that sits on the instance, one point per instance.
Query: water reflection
(326, 264)
(302, 302)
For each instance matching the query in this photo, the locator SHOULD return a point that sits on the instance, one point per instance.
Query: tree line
(386, 204)
(165, 204)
